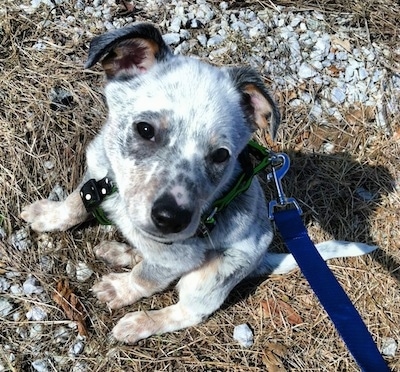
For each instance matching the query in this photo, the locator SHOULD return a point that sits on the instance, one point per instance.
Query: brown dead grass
(33, 131)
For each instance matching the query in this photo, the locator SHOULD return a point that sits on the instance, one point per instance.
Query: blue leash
(321, 279)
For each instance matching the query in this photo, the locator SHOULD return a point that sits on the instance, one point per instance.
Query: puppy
(172, 145)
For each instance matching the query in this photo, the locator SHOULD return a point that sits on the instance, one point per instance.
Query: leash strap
(324, 284)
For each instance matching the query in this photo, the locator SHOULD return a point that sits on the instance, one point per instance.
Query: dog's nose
(168, 216)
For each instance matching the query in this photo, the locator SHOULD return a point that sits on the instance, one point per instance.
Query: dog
(172, 144)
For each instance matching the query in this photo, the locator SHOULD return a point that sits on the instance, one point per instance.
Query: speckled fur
(195, 109)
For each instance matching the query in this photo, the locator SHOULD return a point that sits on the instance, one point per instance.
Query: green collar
(263, 157)
(94, 192)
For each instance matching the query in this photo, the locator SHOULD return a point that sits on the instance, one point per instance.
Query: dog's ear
(257, 102)
(128, 51)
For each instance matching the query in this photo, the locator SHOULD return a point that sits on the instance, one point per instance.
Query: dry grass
(33, 130)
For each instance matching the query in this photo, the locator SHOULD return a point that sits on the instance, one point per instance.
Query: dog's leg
(117, 254)
(201, 292)
(48, 215)
(122, 289)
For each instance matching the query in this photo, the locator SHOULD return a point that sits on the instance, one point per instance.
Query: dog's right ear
(128, 51)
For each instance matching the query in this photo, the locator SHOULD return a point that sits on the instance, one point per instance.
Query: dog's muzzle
(168, 217)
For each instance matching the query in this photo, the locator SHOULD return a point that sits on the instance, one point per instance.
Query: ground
(345, 154)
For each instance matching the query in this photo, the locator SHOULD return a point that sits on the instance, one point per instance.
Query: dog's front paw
(134, 327)
(45, 215)
(117, 290)
(117, 254)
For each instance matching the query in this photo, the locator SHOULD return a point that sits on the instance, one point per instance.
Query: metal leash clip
(280, 165)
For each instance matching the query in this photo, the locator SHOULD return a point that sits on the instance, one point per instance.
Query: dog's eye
(221, 155)
(145, 130)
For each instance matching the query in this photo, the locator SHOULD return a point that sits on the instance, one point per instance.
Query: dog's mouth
(155, 234)
(167, 239)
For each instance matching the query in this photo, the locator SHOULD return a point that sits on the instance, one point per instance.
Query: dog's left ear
(257, 102)
(128, 51)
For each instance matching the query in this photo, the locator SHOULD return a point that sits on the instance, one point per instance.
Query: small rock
(202, 40)
(58, 193)
(312, 24)
(337, 95)
(341, 56)
(377, 75)
(77, 348)
(5, 307)
(36, 331)
(215, 40)
(16, 316)
(182, 48)
(316, 111)
(306, 71)
(328, 148)
(317, 65)
(175, 24)
(389, 346)
(255, 31)
(31, 286)
(80, 366)
(89, 10)
(48, 164)
(295, 21)
(39, 46)
(80, 4)
(172, 38)
(321, 47)
(349, 73)
(330, 56)
(185, 34)
(303, 26)
(70, 20)
(223, 5)
(70, 269)
(238, 26)
(46, 263)
(16, 289)
(362, 73)
(83, 272)
(243, 334)
(296, 102)
(4, 284)
(218, 53)
(295, 49)
(36, 313)
(41, 365)
(20, 240)
(61, 335)
(109, 26)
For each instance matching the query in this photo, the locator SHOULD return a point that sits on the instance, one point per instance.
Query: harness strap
(243, 182)
(93, 193)
(329, 292)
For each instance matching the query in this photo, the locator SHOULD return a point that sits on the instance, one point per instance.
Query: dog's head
(175, 128)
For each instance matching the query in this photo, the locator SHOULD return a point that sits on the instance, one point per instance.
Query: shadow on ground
(339, 197)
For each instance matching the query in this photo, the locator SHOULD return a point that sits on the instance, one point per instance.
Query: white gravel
(295, 49)
(243, 335)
